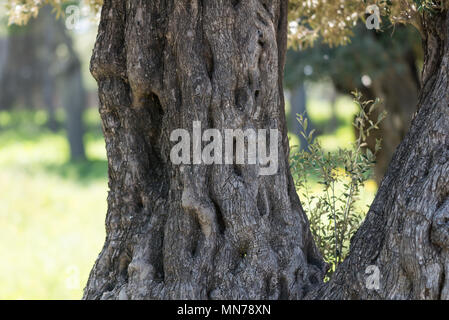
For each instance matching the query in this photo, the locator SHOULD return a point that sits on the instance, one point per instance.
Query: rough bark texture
(406, 232)
(196, 232)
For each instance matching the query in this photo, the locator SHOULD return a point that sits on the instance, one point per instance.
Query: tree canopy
(332, 21)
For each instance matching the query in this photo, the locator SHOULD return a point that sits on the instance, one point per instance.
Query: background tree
(298, 104)
(40, 59)
(387, 61)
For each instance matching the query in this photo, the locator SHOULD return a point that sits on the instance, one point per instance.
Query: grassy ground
(51, 211)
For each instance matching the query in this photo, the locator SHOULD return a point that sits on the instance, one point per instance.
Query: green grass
(51, 211)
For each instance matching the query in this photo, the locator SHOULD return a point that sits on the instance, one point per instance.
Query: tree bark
(406, 233)
(217, 232)
(196, 231)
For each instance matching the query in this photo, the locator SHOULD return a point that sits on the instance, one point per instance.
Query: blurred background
(53, 167)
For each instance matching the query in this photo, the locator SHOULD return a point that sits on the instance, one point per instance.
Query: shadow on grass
(80, 171)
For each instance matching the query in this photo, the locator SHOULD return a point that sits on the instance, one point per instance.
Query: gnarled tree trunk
(223, 231)
(196, 231)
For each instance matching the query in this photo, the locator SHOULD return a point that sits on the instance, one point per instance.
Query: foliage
(332, 213)
(368, 54)
(333, 21)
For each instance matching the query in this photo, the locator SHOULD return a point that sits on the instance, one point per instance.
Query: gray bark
(196, 232)
(217, 232)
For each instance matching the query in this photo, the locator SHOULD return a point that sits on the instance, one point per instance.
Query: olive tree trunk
(223, 231)
(196, 231)
(397, 85)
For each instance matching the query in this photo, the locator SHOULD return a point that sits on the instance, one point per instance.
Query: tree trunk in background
(399, 94)
(48, 93)
(18, 70)
(298, 106)
(4, 45)
(406, 233)
(73, 94)
(61, 70)
(45, 60)
(196, 232)
(398, 90)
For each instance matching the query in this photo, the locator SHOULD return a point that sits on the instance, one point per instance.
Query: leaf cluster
(332, 212)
